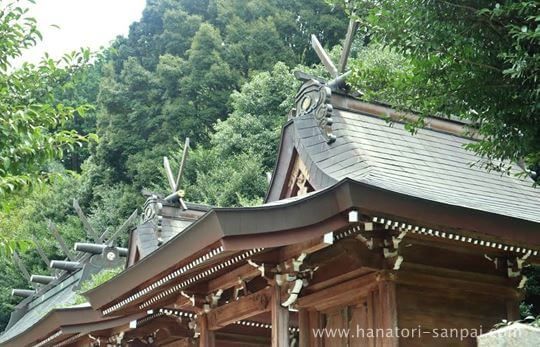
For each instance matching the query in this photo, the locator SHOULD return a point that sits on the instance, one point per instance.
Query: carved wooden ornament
(313, 99)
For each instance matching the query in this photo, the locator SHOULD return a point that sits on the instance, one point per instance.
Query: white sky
(83, 23)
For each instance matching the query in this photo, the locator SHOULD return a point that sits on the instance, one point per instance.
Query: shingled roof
(162, 220)
(355, 159)
(53, 305)
(431, 164)
(35, 309)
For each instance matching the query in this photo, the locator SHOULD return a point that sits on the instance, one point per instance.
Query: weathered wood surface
(280, 319)
(87, 226)
(240, 309)
(339, 295)
(235, 340)
(207, 337)
(303, 325)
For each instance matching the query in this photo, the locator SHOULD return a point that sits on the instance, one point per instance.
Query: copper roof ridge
(348, 102)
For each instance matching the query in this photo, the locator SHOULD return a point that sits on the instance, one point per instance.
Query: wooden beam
(86, 224)
(172, 327)
(351, 31)
(182, 302)
(225, 339)
(451, 280)
(323, 56)
(120, 230)
(169, 174)
(346, 260)
(240, 309)
(230, 279)
(340, 294)
(315, 322)
(182, 163)
(21, 266)
(317, 283)
(61, 241)
(308, 247)
(280, 320)
(181, 343)
(40, 251)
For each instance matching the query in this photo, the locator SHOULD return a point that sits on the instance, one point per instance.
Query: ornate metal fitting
(313, 99)
(152, 209)
(152, 213)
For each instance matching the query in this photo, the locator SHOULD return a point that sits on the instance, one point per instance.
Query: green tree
(232, 170)
(207, 83)
(179, 28)
(31, 120)
(82, 89)
(259, 112)
(478, 60)
(173, 75)
(178, 73)
(23, 216)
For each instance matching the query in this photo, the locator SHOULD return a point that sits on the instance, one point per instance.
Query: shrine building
(366, 229)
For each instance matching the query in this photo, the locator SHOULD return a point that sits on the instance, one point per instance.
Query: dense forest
(218, 72)
(221, 73)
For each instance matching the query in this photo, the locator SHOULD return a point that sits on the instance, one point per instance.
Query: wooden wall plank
(339, 295)
(315, 322)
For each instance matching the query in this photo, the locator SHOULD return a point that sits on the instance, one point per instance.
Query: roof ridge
(450, 126)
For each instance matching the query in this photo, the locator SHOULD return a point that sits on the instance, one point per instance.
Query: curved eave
(284, 157)
(289, 223)
(51, 322)
(68, 321)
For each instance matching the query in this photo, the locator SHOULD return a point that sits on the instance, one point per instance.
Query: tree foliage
(178, 73)
(203, 69)
(220, 72)
(32, 121)
(232, 170)
(173, 75)
(478, 60)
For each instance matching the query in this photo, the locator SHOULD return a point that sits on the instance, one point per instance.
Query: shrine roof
(53, 307)
(359, 161)
(161, 222)
(36, 308)
(432, 164)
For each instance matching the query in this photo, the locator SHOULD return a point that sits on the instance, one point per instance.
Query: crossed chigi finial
(75, 258)
(339, 73)
(177, 194)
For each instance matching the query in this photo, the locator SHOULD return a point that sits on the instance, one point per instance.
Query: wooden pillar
(512, 309)
(207, 337)
(315, 322)
(303, 325)
(387, 299)
(280, 320)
